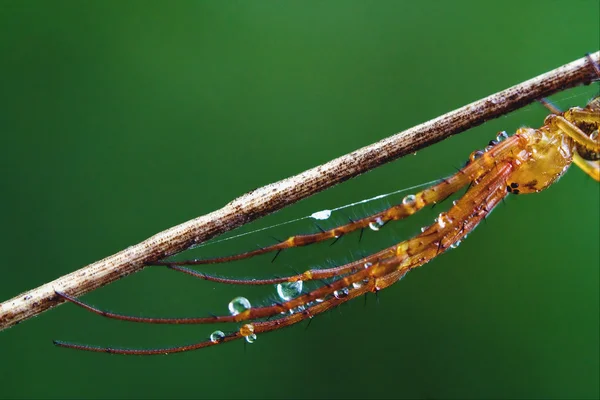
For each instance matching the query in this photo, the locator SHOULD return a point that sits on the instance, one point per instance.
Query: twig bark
(275, 196)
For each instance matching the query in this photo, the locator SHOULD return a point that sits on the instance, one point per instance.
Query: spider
(527, 162)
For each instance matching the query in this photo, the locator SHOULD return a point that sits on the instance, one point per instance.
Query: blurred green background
(121, 119)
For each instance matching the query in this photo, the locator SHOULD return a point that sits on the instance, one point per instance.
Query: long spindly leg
(564, 125)
(259, 327)
(407, 248)
(577, 114)
(450, 227)
(479, 163)
(592, 168)
(319, 274)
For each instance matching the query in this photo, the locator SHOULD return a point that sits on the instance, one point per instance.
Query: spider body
(527, 162)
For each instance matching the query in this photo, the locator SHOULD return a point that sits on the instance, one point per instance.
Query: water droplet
(375, 225)
(357, 285)
(238, 305)
(454, 202)
(289, 290)
(488, 148)
(423, 228)
(247, 330)
(368, 264)
(341, 293)
(409, 200)
(251, 338)
(475, 155)
(501, 136)
(319, 300)
(217, 336)
(455, 244)
(443, 219)
(321, 215)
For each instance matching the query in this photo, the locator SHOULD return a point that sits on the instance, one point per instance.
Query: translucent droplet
(238, 305)
(423, 228)
(502, 136)
(368, 264)
(409, 200)
(358, 285)
(217, 336)
(319, 300)
(488, 148)
(454, 202)
(455, 244)
(443, 220)
(341, 293)
(375, 225)
(289, 290)
(251, 338)
(475, 155)
(321, 215)
(247, 330)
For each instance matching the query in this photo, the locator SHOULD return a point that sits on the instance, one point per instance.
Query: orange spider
(527, 162)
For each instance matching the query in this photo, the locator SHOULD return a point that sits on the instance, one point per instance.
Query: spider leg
(248, 314)
(258, 327)
(465, 215)
(460, 220)
(371, 279)
(564, 125)
(550, 106)
(479, 163)
(592, 168)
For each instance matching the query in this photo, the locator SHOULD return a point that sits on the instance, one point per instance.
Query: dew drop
(423, 228)
(454, 202)
(339, 294)
(375, 225)
(488, 148)
(319, 300)
(321, 215)
(409, 200)
(217, 336)
(455, 244)
(443, 219)
(358, 285)
(475, 155)
(368, 264)
(251, 338)
(502, 136)
(238, 305)
(289, 290)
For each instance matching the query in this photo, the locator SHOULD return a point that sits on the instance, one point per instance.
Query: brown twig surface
(275, 196)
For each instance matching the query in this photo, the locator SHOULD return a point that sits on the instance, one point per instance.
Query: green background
(121, 119)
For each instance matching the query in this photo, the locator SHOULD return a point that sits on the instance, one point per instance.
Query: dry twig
(275, 196)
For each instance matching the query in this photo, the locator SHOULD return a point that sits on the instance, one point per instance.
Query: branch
(275, 196)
